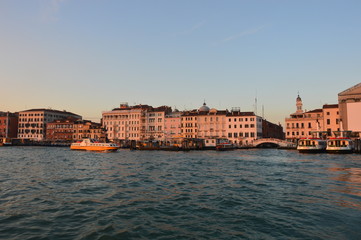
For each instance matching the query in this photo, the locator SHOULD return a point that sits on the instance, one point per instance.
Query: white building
(32, 123)
(138, 122)
(243, 127)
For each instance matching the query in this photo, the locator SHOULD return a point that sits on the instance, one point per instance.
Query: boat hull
(94, 148)
(340, 151)
(311, 150)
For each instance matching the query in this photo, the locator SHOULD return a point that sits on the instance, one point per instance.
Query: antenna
(255, 105)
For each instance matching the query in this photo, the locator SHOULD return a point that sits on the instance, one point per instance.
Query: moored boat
(89, 144)
(312, 145)
(224, 145)
(341, 143)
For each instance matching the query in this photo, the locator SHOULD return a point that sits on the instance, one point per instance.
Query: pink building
(172, 125)
(301, 124)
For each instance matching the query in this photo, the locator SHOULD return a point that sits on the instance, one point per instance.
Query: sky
(88, 56)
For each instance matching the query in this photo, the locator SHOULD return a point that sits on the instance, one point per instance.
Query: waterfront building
(301, 124)
(350, 108)
(272, 130)
(88, 129)
(189, 124)
(204, 123)
(155, 123)
(143, 122)
(60, 130)
(32, 122)
(240, 128)
(140, 122)
(8, 124)
(172, 125)
(72, 129)
(243, 127)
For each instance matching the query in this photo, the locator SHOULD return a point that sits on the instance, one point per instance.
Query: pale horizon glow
(87, 57)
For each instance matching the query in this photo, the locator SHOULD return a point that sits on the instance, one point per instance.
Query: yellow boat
(89, 144)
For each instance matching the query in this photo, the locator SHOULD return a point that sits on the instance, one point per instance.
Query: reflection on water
(349, 185)
(55, 193)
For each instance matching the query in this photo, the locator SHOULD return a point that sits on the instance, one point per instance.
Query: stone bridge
(274, 141)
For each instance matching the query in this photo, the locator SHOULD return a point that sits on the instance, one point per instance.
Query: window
(235, 135)
(229, 135)
(328, 121)
(309, 125)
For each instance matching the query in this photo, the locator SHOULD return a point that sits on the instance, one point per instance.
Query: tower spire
(299, 104)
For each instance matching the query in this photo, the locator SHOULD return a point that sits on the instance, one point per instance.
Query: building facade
(72, 129)
(243, 127)
(143, 122)
(8, 124)
(350, 108)
(88, 129)
(271, 130)
(140, 122)
(60, 130)
(240, 128)
(32, 123)
(301, 124)
(172, 125)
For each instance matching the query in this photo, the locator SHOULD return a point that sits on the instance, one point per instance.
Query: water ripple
(55, 193)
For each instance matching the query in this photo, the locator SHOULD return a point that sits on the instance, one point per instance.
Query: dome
(204, 108)
(298, 98)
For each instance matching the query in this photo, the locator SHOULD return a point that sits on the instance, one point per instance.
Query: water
(55, 193)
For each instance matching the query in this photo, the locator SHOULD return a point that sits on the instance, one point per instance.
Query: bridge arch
(272, 142)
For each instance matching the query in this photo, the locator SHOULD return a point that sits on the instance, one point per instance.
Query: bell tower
(299, 104)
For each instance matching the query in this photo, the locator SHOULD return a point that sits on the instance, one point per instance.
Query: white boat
(312, 145)
(341, 143)
(315, 144)
(89, 144)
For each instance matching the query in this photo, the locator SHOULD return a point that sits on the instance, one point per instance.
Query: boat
(311, 145)
(224, 145)
(317, 143)
(341, 143)
(89, 144)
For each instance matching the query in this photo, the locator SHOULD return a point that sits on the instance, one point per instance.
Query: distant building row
(140, 122)
(143, 122)
(48, 124)
(346, 115)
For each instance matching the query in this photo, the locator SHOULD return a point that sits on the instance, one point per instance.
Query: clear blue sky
(88, 56)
